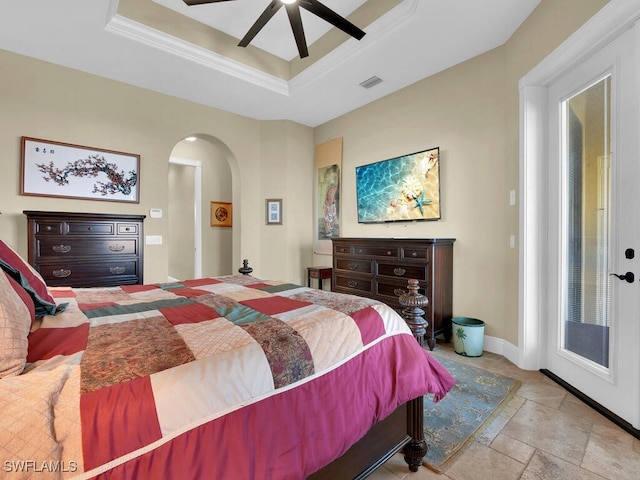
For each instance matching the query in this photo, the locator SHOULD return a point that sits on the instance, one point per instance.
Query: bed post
(412, 312)
(245, 269)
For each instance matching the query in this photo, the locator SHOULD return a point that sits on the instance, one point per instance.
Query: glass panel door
(586, 135)
(593, 228)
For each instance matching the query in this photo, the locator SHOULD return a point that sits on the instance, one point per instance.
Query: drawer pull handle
(48, 228)
(352, 283)
(414, 254)
(61, 273)
(89, 228)
(116, 248)
(127, 229)
(399, 271)
(360, 251)
(61, 248)
(352, 266)
(399, 292)
(117, 270)
(388, 252)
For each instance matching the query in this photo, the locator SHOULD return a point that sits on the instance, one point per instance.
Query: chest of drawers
(380, 268)
(86, 249)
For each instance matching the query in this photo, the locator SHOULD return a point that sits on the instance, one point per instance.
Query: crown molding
(154, 38)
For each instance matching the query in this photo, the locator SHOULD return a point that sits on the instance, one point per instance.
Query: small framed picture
(274, 211)
(221, 214)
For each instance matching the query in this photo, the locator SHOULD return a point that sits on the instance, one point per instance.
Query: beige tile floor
(544, 433)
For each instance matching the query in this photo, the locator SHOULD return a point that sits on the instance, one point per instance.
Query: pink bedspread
(229, 377)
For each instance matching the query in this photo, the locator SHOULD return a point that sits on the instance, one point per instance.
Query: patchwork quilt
(228, 377)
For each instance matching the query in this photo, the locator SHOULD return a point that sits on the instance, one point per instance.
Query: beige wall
(42, 100)
(289, 177)
(471, 112)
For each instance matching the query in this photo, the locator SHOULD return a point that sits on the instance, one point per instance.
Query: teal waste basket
(468, 336)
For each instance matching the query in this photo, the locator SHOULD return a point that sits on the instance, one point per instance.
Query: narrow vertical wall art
(328, 179)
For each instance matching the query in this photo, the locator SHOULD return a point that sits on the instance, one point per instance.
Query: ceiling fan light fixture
(293, 12)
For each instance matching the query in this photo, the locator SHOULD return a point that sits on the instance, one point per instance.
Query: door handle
(629, 276)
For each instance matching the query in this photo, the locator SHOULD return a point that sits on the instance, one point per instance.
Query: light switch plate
(153, 239)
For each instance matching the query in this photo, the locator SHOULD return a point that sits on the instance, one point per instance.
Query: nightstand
(319, 273)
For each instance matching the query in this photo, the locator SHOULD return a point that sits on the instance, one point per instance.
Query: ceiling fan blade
(324, 12)
(298, 31)
(269, 12)
(203, 2)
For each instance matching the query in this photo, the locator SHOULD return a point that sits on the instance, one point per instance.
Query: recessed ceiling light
(191, 139)
(288, 2)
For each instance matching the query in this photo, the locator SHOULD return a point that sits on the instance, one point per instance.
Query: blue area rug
(451, 424)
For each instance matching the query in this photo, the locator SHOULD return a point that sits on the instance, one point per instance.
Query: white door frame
(197, 210)
(614, 18)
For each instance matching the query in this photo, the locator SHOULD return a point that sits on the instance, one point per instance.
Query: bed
(226, 377)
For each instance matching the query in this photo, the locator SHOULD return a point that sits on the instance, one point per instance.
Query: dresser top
(82, 215)
(394, 239)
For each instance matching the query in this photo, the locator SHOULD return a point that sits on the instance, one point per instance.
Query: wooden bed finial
(414, 303)
(245, 269)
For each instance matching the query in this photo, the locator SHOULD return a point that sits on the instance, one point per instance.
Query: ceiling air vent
(371, 82)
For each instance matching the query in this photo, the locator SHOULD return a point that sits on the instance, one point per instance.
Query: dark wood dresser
(380, 267)
(86, 249)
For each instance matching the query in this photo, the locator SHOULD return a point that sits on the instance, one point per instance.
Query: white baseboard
(501, 347)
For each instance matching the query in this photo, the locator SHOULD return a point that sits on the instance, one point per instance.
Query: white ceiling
(414, 40)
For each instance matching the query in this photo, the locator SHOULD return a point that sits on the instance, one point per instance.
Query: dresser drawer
(45, 227)
(417, 272)
(71, 247)
(90, 228)
(353, 284)
(128, 229)
(356, 266)
(390, 293)
(418, 253)
(95, 274)
(395, 289)
(375, 251)
(341, 250)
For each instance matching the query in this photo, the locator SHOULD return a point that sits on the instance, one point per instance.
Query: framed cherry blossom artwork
(56, 169)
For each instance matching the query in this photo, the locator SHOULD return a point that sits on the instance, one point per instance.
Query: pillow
(31, 281)
(25, 297)
(15, 323)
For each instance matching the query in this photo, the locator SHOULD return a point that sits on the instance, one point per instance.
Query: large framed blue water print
(405, 188)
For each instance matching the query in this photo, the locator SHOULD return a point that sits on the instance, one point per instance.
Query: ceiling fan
(293, 12)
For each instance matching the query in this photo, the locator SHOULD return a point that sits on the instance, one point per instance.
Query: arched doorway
(202, 170)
